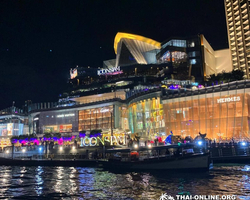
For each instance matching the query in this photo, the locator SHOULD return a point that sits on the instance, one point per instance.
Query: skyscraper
(238, 18)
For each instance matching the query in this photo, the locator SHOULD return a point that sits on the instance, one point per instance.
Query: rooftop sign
(109, 71)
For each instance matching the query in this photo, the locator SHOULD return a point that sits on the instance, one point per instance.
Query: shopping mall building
(135, 94)
(221, 111)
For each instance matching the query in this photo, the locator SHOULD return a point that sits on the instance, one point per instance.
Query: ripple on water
(89, 183)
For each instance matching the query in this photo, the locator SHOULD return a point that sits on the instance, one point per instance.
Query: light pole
(111, 114)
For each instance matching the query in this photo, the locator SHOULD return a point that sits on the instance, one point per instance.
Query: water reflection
(39, 180)
(89, 183)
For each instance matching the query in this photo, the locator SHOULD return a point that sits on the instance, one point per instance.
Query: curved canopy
(135, 49)
(121, 35)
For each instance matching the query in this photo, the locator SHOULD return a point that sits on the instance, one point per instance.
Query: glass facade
(146, 117)
(174, 57)
(175, 43)
(123, 118)
(222, 115)
(96, 118)
(63, 128)
(59, 121)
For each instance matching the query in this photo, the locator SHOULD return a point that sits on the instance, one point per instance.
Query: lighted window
(193, 54)
(193, 61)
(191, 44)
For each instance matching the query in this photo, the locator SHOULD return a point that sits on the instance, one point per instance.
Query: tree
(47, 135)
(57, 135)
(237, 75)
(226, 77)
(182, 71)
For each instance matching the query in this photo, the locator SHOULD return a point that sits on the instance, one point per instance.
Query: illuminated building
(13, 122)
(125, 95)
(99, 115)
(237, 15)
(145, 114)
(221, 111)
(141, 61)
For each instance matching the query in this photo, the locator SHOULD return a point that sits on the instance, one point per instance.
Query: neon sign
(104, 110)
(228, 99)
(93, 141)
(109, 71)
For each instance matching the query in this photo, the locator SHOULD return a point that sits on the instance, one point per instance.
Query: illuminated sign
(87, 141)
(104, 110)
(73, 73)
(66, 115)
(228, 99)
(110, 71)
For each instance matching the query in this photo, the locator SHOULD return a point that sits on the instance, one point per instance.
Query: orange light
(120, 35)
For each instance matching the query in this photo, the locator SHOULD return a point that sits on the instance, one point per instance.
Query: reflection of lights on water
(59, 180)
(39, 180)
(23, 171)
(246, 168)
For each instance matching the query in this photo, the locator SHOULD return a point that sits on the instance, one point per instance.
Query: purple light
(174, 87)
(14, 141)
(95, 135)
(82, 135)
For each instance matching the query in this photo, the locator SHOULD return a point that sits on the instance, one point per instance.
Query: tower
(238, 22)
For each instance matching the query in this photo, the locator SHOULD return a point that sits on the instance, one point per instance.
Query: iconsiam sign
(93, 141)
(109, 71)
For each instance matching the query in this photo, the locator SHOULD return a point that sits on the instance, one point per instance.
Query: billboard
(6, 129)
(73, 73)
(3, 130)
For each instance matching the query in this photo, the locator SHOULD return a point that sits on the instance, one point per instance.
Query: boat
(171, 157)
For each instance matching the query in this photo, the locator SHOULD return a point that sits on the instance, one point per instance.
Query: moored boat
(172, 157)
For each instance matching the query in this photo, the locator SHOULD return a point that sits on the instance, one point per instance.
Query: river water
(90, 183)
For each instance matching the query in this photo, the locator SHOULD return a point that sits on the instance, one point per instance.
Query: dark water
(89, 183)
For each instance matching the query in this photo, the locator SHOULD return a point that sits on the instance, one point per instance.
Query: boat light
(243, 144)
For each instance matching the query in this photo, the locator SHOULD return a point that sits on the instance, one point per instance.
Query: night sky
(40, 40)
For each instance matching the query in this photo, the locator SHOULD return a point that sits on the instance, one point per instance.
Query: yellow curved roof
(120, 35)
